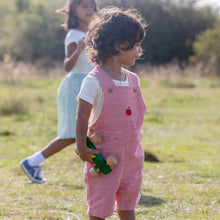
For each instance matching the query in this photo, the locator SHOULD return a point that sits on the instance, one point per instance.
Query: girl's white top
(91, 92)
(83, 64)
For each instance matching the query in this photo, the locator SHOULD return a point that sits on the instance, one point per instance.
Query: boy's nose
(140, 50)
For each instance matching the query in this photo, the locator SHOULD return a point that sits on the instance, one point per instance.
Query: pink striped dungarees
(119, 125)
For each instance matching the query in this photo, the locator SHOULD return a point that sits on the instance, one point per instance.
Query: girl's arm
(83, 113)
(73, 52)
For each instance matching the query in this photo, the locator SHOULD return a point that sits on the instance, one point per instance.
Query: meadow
(181, 127)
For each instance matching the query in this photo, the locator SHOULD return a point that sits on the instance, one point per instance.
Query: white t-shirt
(83, 64)
(91, 92)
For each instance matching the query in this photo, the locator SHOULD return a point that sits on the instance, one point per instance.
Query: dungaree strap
(133, 80)
(104, 79)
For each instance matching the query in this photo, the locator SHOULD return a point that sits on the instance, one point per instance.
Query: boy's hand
(86, 154)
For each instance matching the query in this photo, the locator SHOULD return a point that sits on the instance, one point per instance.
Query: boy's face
(128, 57)
(85, 11)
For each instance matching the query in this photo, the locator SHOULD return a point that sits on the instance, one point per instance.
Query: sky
(213, 3)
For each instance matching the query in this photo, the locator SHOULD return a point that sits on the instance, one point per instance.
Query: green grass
(181, 127)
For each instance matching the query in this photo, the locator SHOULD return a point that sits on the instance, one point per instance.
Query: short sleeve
(89, 89)
(73, 36)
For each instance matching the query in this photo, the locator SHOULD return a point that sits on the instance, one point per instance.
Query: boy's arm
(82, 118)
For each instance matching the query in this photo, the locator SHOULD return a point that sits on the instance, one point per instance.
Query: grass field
(181, 127)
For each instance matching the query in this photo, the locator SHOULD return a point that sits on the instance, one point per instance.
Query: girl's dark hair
(69, 9)
(111, 27)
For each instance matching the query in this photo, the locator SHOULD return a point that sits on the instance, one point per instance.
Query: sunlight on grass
(181, 127)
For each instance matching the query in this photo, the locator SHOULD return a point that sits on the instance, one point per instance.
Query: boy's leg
(95, 218)
(32, 165)
(126, 215)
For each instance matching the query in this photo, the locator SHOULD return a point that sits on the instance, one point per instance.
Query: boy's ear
(121, 46)
(117, 48)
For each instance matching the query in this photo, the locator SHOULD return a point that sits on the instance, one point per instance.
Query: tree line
(30, 30)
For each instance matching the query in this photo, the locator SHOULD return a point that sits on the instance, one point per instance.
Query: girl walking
(77, 64)
(111, 105)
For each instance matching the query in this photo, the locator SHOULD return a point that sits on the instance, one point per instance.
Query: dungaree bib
(119, 126)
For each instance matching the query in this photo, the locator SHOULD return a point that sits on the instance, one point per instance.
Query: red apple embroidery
(128, 111)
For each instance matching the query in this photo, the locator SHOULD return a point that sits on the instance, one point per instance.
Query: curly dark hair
(69, 8)
(113, 26)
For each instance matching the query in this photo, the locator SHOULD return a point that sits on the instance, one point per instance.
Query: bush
(31, 32)
(207, 49)
(13, 105)
(30, 29)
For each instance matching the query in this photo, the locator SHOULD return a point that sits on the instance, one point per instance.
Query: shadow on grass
(150, 201)
(66, 185)
(6, 133)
